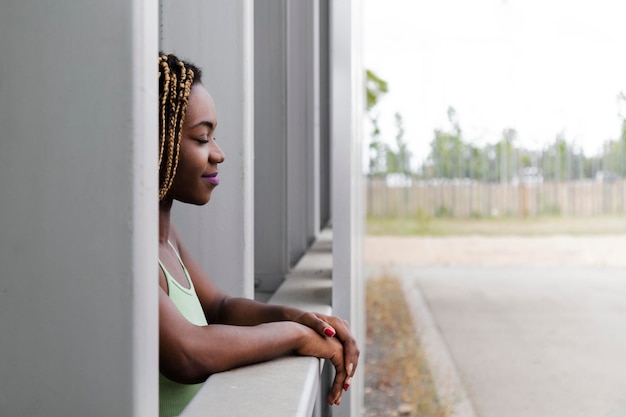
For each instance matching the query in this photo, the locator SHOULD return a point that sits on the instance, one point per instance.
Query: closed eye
(202, 141)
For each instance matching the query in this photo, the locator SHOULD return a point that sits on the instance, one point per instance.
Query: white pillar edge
(316, 121)
(347, 211)
(248, 149)
(145, 209)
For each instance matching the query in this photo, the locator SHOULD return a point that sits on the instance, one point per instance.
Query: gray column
(78, 213)
(347, 190)
(324, 113)
(287, 135)
(314, 146)
(217, 35)
(300, 126)
(270, 183)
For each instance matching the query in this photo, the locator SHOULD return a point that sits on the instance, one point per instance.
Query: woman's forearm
(215, 348)
(191, 353)
(246, 312)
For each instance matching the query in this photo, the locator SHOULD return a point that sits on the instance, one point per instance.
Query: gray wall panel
(299, 124)
(78, 210)
(217, 35)
(271, 145)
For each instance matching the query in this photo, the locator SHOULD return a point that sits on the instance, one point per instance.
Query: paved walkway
(536, 338)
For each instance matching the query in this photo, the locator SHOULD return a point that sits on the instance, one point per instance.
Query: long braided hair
(175, 80)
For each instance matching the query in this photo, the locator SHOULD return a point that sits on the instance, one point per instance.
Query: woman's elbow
(182, 365)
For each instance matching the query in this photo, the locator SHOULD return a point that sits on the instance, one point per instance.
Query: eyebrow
(206, 123)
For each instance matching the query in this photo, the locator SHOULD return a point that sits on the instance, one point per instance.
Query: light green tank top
(174, 397)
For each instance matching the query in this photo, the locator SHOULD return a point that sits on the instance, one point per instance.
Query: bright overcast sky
(538, 66)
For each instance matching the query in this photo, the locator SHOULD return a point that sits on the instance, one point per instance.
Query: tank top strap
(171, 280)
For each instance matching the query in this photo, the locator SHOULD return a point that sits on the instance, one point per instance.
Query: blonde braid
(171, 133)
(174, 99)
(185, 90)
(166, 81)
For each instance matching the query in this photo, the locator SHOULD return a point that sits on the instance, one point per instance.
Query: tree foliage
(376, 88)
(399, 160)
(451, 156)
(383, 158)
(446, 150)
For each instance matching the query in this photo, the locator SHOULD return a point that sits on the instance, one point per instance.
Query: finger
(351, 349)
(346, 383)
(342, 328)
(318, 324)
(348, 379)
(351, 356)
(336, 390)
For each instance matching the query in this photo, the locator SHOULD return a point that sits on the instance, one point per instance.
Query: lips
(212, 178)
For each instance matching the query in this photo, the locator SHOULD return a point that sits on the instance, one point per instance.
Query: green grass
(540, 226)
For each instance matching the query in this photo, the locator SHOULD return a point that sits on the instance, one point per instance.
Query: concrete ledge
(285, 387)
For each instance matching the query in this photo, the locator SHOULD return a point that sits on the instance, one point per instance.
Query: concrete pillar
(270, 128)
(78, 213)
(324, 112)
(347, 185)
(217, 35)
(287, 135)
(301, 144)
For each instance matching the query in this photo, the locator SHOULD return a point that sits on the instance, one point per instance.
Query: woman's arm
(190, 353)
(219, 308)
(242, 311)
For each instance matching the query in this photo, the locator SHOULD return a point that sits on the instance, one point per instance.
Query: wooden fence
(465, 198)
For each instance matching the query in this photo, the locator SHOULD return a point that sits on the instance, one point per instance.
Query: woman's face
(196, 175)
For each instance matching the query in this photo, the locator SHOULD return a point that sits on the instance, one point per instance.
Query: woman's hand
(338, 329)
(313, 344)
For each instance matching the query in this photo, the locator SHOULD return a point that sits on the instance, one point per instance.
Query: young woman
(201, 329)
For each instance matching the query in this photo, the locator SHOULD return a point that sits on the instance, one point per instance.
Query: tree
(562, 162)
(376, 88)
(400, 160)
(445, 149)
(504, 152)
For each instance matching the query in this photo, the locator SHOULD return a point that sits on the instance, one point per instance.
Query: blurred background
(492, 108)
(495, 158)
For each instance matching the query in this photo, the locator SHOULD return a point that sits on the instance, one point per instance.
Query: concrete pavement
(524, 341)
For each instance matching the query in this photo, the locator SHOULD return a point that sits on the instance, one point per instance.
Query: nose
(216, 155)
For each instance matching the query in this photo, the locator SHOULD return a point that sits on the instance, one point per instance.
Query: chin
(196, 201)
(202, 202)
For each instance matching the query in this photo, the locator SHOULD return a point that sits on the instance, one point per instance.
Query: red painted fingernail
(329, 332)
(346, 386)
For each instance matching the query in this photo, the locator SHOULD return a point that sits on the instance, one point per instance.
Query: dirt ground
(398, 381)
(598, 251)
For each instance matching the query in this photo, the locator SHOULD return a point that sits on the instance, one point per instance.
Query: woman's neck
(165, 207)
